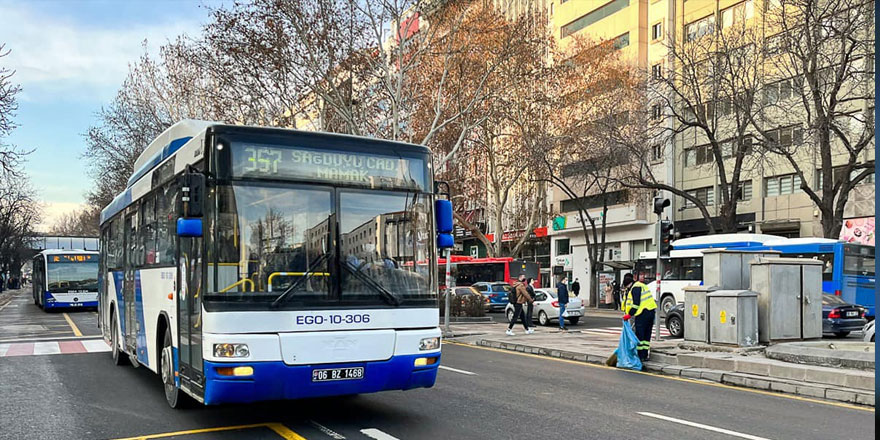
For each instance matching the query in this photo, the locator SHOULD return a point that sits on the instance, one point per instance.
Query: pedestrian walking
(639, 304)
(530, 307)
(562, 297)
(522, 297)
(576, 287)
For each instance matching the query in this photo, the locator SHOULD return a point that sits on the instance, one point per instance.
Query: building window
(836, 174)
(699, 28)
(594, 201)
(621, 41)
(745, 191)
(657, 152)
(657, 31)
(706, 196)
(782, 185)
(657, 71)
(699, 155)
(593, 16)
(786, 137)
(782, 90)
(657, 111)
(728, 146)
(563, 246)
(737, 14)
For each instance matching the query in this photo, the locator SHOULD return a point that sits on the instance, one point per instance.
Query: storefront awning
(618, 264)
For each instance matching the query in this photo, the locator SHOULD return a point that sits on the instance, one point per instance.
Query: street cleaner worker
(639, 303)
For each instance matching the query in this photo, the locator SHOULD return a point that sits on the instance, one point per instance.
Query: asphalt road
(486, 394)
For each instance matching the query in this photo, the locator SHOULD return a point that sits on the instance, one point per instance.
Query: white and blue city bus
(65, 279)
(245, 264)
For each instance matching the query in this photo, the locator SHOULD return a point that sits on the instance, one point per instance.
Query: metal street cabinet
(730, 269)
(733, 317)
(789, 298)
(696, 319)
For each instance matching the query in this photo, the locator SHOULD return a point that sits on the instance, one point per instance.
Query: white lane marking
(53, 338)
(701, 426)
(377, 434)
(456, 370)
(3, 348)
(47, 348)
(95, 346)
(329, 432)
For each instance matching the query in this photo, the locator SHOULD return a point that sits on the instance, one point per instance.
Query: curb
(765, 383)
(468, 320)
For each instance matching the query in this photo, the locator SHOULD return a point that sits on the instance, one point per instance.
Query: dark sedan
(840, 317)
(675, 321)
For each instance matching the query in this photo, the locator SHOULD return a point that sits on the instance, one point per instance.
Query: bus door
(189, 307)
(128, 323)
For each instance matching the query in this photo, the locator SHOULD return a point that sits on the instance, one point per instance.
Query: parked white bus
(684, 267)
(246, 264)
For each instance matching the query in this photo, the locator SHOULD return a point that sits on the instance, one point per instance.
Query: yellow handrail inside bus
(240, 282)
(293, 274)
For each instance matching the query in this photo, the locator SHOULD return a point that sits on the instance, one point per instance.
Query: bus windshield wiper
(299, 282)
(389, 297)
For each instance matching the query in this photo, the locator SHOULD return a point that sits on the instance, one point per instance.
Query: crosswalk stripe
(53, 347)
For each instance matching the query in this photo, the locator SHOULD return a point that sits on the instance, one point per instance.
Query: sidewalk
(748, 368)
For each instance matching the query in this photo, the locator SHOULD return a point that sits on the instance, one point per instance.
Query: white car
(547, 308)
(869, 331)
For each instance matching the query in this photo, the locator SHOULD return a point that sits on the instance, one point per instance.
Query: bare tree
(81, 222)
(19, 215)
(820, 115)
(10, 155)
(708, 98)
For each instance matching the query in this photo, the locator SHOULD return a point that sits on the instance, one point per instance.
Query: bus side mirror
(443, 213)
(189, 227)
(192, 188)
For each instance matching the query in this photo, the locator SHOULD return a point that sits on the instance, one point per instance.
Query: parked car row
(838, 318)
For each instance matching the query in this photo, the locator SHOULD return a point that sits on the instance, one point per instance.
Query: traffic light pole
(659, 271)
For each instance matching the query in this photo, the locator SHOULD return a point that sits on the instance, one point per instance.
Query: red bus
(470, 270)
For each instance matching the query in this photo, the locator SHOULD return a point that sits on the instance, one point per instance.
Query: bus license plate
(329, 374)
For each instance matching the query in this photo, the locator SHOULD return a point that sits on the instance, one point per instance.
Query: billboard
(858, 230)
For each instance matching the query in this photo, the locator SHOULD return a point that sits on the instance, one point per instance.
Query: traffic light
(667, 233)
(659, 204)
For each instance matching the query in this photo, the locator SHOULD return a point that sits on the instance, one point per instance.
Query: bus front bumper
(278, 381)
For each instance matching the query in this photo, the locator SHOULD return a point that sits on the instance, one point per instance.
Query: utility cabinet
(729, 269)
(789, 298)
(696, 318)
(733, 317)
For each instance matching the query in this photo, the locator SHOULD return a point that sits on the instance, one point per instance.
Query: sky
(70, 57)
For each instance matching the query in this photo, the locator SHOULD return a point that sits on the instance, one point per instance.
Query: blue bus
(246, 264)
(848, 271)
(65, 278)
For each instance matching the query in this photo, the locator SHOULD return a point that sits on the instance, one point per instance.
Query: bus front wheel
(173, 395)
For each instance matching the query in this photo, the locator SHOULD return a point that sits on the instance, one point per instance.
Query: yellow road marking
(278, 428)
(680, 379)
(73, 326)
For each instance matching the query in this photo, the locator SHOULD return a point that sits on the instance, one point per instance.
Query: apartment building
(770, 198)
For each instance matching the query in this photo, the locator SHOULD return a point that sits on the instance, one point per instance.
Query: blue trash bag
(627, 357)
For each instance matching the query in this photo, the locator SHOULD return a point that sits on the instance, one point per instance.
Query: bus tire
(667, 303)
(173, 395)
(117, 354)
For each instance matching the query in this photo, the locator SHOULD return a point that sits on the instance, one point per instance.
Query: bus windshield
(284, 239)
(62, 277)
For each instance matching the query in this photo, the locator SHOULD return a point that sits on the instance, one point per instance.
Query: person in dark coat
(576, 287)
(562, 297)
(530, 307)
(615, 292)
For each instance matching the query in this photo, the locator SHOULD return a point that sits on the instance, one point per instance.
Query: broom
(612, 360)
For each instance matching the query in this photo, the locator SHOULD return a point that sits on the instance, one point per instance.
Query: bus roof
(66, 252)
(724, 241)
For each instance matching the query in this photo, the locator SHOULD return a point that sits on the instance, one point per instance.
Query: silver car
(869, 331)
(547, 308)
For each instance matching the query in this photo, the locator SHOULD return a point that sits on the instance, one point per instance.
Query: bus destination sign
(73, 258)
(375, 171)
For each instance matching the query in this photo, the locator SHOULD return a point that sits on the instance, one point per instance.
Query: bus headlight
(231, 350)
(429, 344)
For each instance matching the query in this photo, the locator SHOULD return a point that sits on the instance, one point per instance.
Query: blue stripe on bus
(118, 204)
(157, 158)
(731, 245)
(141, 340)
(279, 381)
